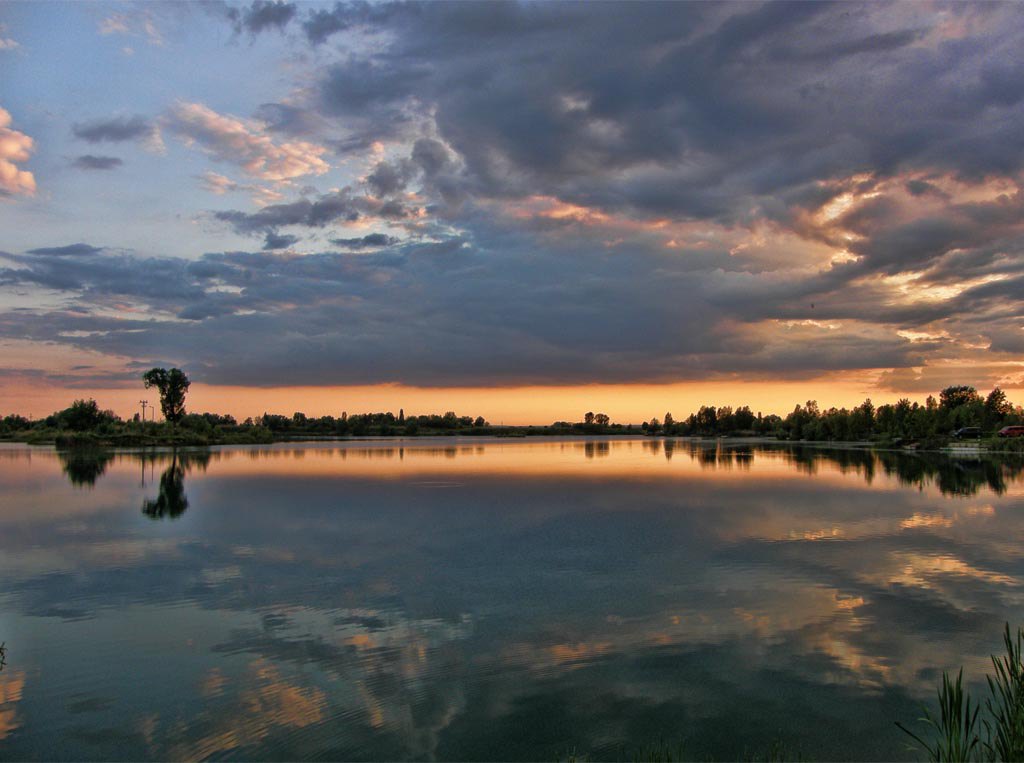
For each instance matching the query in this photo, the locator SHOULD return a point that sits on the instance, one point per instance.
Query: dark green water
(493, 600)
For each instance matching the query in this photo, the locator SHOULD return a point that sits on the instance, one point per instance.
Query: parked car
(967, 433)
(1016, 431)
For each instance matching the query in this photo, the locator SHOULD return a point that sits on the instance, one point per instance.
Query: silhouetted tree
(588, 417)
(997, 407)
(82, 415)
(172, 386)
(744, 418)
(953, 397)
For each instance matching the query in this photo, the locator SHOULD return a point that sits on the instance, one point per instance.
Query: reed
(955, 734)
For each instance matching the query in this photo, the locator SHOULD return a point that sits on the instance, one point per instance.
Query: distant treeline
(904, 422)
(957, 407)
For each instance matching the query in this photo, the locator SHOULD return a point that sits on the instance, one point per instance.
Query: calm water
(493, 600)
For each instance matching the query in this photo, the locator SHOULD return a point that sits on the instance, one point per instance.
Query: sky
(519, 210)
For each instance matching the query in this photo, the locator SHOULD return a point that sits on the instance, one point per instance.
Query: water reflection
(84, 466)
(961, 474)
(171, 501)
(475, 600)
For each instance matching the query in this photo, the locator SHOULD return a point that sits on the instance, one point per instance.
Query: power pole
(144, 403)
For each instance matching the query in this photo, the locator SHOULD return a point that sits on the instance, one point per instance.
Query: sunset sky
(522, 210)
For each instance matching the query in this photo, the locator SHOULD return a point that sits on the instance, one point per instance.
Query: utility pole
(144, 403)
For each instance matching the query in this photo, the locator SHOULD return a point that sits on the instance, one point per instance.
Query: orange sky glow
(625, 403)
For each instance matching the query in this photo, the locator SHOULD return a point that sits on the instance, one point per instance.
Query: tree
(997, 407)
(172, 386)
(707, 419)
(961, 394)
(82, 415)
(669, 421)
(588, 417)
(744, 418)
(602, 420)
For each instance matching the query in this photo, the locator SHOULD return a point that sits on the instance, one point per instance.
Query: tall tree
(960, 394)
(997, 407)
(172, 386)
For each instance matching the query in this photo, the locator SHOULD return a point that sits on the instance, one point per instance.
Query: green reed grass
(955, 733)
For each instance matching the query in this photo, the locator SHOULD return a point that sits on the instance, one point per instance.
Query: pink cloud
(245, 143)
(14, 147)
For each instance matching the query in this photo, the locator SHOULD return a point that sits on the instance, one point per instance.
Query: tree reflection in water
(83, 466)
(952, 474)
(957, 474)
(171, 501)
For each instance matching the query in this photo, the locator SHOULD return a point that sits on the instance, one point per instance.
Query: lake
(494, 599)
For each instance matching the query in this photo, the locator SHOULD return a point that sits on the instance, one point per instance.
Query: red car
(1011, 432)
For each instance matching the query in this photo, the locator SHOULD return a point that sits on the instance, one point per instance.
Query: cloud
(674, 191)
(338, 207)
(135, 22)
(370, 240)
(692, 111)
(120, 129)
(116, 23)
(290, 120)
(15, 148)
(263, 14)
(91, 162)
(275, 241)
(245, 144)
(388, 178)
(219, 185)
(70, 250)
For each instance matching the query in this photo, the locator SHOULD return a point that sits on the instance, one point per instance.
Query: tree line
(956, 407)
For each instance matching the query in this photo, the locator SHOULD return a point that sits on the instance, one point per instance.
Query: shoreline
(148, 443)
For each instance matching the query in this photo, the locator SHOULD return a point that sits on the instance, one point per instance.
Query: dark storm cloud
(91, 162)
(610, 192)
(84, 269)
(261, 15)
(692, 110)
(113, 130)
(439, 312)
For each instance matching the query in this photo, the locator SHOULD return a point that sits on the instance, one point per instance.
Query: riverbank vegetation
(925, 426)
